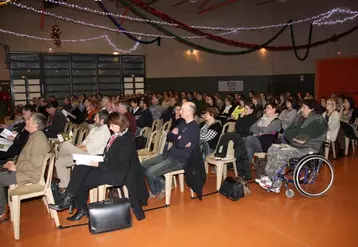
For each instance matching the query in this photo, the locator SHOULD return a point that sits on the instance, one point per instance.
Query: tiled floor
(262, 219)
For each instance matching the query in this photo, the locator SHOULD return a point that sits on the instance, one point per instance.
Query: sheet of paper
(5, 133)
(65, 112)
(5, 145)
(85, 159)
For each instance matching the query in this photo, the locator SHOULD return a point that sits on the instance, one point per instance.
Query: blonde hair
(334, 102)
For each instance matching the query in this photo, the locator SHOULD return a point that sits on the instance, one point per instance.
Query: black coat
(145, 119)
(80, 116)
(121, 160)
(195, 175)
(19, 142)
(168, 114)
(137, 113)
(242, 161)
(58, 124)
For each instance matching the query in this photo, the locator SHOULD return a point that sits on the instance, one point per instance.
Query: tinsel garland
(196, 46)
(7, 54)
(157, 39)
(233, 42)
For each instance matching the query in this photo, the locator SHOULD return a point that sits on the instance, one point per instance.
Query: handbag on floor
(234, 189)
(109, 215)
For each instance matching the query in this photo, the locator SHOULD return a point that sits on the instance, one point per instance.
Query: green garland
(294, 43)
(196, 46)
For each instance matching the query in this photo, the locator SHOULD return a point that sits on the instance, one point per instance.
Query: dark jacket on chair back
(195, 175)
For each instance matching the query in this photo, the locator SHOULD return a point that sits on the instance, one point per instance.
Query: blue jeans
(253, 145)
(156, 167)
(205, 149)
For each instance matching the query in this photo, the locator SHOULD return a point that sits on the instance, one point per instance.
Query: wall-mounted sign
(232, 86)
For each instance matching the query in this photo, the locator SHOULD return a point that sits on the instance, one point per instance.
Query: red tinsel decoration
(212, 37)
(56, 35)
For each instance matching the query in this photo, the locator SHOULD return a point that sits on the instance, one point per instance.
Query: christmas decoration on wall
(105, 37)
(56, 35)
(7, 54)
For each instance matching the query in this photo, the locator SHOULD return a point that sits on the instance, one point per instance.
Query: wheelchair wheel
(313, 176)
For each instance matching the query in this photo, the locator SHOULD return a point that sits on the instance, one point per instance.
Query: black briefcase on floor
(109, 215)
(232, 189)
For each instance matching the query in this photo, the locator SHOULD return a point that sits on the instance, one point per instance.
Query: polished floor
(262, 219)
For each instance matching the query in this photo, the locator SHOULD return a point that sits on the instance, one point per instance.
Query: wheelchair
(312, 175)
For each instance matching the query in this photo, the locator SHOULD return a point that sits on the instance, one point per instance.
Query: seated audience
(169, 112)
(185, 139)
(210, 102)
(246, 120)
(259, 109)
(155, 108)
(123, 108)
(67, 104)
(323, 108)
(16, 116)
(27, 168)
(82, 100)
(91, 109)
(105, 103)
(229, 108)
(145, 118)
(288, 115)
(56, 122)
(136, 111)
(21, 136)
(120, 167)
(94, 144)
(264, 132)
(304, 138)
(240, 108)
(76, 115)
(210, 131)
(176, 120)
(42, 107)
(52, 100)
(333, 120)
(200, 103)
(346, 129)
(219, 102)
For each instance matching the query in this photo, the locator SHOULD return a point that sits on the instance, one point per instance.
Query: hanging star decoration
(56, 35)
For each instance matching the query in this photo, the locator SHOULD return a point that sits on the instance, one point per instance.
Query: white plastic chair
(22, 192)
(221, 164)
(168, 184)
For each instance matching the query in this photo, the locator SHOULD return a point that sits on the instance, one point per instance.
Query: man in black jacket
(56, 122)
(21, 135)
(169, 112)
(145, 118)
(185, 139)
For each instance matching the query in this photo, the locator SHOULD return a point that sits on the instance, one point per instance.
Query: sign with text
(232, 86)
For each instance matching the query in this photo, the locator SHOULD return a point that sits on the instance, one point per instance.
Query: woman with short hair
(210, 131)
(120, 167)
